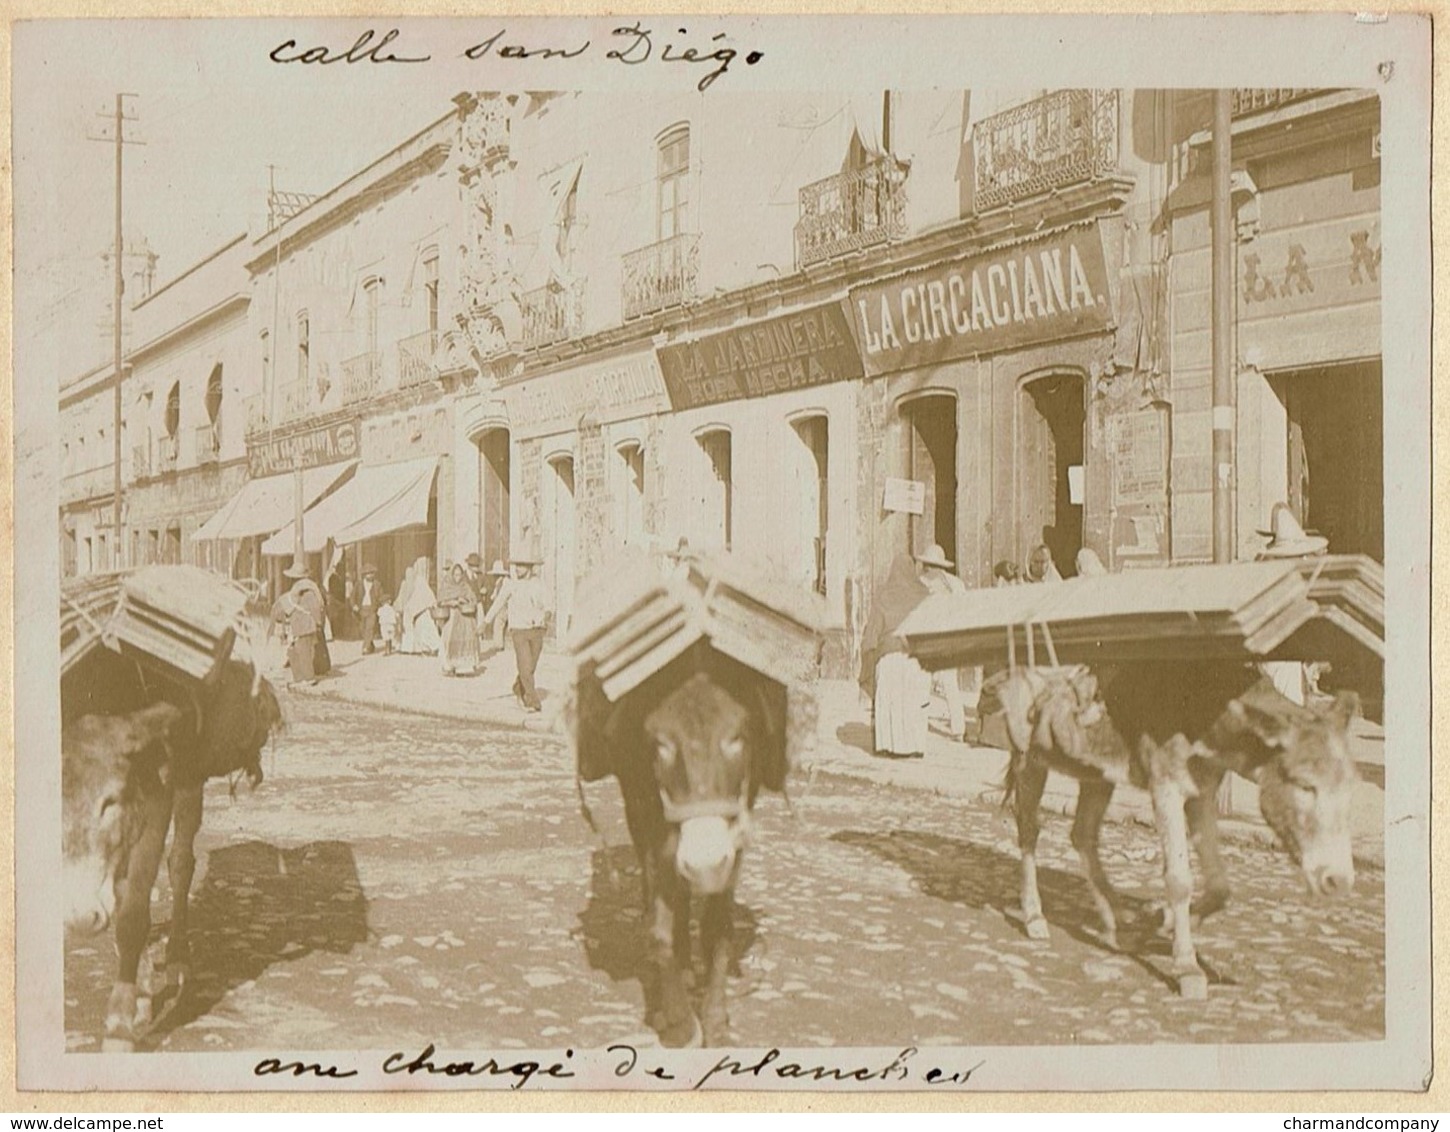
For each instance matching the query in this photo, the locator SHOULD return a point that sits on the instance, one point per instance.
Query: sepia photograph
(718, 552)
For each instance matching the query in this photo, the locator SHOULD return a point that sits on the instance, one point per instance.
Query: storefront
(321, 458)
(1310, 412)
(568, 461)
(386, 514)
(993, 391)
(762, 450)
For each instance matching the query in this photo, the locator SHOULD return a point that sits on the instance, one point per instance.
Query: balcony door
(493, 495)
(1051, 419)
(559, 552)
(930, 458)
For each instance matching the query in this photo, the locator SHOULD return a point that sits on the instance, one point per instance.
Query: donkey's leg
(1093, 796)
(1203, 826)
(133, 918)
(181, 868)
(1031, 777)
(716, 926)
(1168, 810)
(676, 1022)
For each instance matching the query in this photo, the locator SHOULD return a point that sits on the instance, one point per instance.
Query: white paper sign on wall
(905, 495)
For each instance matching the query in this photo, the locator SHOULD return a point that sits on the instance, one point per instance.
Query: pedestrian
(1287, 540)
(1089, 565)
(367, 607)
(335, 585)
(497, 574)
(938, 574)
(415, 603)
(300, 613)
(1041, 567)
(526, 603)
(390, 624)
(899, 687)
(459, 647)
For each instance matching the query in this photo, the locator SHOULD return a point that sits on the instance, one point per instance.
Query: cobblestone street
(400, 880)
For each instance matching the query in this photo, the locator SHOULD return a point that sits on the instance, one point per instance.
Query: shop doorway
(1336, 454)
(559, 553)
(493, 495)
(717, 490)
(813, 461)
(1052, 417)
(931, 459)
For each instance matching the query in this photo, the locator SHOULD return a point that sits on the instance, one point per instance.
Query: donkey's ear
(1272, 728)
(1346, 707)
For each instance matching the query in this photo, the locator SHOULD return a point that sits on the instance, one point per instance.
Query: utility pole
(118, 138)
(274, 221)
(1225, 397)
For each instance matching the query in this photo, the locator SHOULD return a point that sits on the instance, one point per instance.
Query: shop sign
(407, 435)
(1032, 292)
(1335, 263)
(810, 347)
(329, 444)
(609, 391)
(905, 495)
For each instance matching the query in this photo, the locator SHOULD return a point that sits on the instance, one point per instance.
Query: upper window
(372, 303)
(214, 394)
(304, 347)
(264, 339)
(674, 169)
(173, 410)
(430, 288)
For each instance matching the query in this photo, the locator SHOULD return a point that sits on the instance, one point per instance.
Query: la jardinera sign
(1052, 288)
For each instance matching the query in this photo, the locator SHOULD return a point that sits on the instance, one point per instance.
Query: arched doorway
(560, 549)
(812, 464)
(493, 495)
(715, 495)
(1051, 420)
(929, 457)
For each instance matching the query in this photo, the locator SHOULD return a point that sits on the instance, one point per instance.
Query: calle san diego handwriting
(634, 44)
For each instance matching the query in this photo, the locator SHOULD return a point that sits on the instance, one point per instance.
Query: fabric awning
(376, 501)
(265, 504)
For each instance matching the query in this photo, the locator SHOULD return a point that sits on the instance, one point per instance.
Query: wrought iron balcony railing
(293, 401)
(550, 314)
(850, 211)
(661, 275)
(360, 377)
(1253, 100)
(416, 356)
(166, 447)
(208, 443)
(256, 406)
(1068, 137)
(140, 461)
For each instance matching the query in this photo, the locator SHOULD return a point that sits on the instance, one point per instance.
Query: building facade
(818, 329)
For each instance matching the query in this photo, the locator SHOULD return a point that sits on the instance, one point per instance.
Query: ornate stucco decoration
(488, 288)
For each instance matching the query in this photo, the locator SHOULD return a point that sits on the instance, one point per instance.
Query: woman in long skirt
(459, 649)
(899, 687)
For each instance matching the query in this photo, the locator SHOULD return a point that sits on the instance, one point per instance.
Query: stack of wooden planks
(1305, 609)
(181, 618)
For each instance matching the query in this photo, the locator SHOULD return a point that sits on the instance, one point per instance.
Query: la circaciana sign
(1031, 292)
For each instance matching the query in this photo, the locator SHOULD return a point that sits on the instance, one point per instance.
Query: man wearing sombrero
(527, 605)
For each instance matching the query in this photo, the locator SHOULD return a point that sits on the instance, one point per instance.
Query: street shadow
(612, 925)
(962, 872)
(259, 906)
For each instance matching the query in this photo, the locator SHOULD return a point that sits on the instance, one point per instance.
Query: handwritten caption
(635, 45)
(644, 1068)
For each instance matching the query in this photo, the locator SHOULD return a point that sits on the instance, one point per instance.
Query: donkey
(692, 748)
(1176, 730)
(128, 778)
